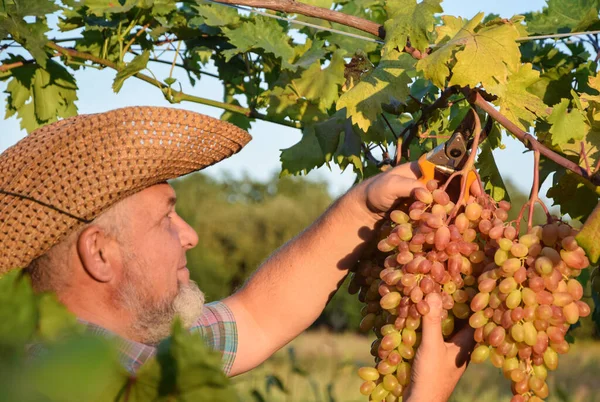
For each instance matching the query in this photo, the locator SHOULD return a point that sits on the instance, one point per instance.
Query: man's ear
(97, 253)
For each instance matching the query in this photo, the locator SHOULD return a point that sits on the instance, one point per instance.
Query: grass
(321, 367)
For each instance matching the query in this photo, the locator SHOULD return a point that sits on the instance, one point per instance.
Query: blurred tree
(241, 222)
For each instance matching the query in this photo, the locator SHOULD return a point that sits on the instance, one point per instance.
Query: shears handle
(428, 170)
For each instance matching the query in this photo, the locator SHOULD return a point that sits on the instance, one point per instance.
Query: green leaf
(322, 86)
(575, 15)
(30, 33)
(589, 236)
(101, 7)
(490, 175)
(260, 33)
(388, 81)
(303, 156)
(516, 102)
(132, 68)
(54, 319)
(566, 126)
(311, 53)
(18, 311)
(217, 16)
(573, 194)
(410, 20)
(80, 368)
(39, 96)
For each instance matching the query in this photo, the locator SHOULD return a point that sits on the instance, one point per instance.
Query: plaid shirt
(217, 327)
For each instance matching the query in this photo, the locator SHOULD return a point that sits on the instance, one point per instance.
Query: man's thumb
(432, 321)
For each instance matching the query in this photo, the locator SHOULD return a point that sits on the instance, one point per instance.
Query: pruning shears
(451, 155)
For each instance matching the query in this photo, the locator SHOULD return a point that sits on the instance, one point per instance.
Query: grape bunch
(526, 302)
(519, 293)
(423, 249)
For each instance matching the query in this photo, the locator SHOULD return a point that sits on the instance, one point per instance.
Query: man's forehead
(158, 194)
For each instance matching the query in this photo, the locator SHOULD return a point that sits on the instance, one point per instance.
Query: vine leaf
(574, 15)
(39, 96)
(216, 16)
(31, 35)
(589, 236)
(183, 369)
(516, 102)
(322, 86)
(485, 55)
(573, 194)
(410, 20)
(261, 33)
(488, 170)
(133, 67)
(388, 81)
(334, 139)
(566, 126)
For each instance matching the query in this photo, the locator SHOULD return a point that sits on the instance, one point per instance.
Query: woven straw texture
(65, 174)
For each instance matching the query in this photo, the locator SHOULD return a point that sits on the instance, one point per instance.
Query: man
(85, 207)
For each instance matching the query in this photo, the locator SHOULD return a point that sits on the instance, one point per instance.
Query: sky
(260, 158)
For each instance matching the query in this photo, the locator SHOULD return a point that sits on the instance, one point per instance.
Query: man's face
(155, 282)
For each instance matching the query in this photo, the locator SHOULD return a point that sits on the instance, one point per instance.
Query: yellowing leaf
(450, 27)
(435, 66)
(410, 20)
(516, 102)
(566, 126)
(488, 57)
(389, 80)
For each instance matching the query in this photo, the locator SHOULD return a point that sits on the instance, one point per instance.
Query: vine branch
(295, 7)
(176, 95)
(474, 97)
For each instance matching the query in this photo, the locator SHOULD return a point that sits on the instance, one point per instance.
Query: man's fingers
(409, 170)
(432, 321)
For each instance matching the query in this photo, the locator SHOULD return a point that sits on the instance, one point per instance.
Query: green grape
(514, 299)
(367, 387)
(403, 373)
(551, 359)
(390, 382)
(379, 393)
(480, 354)
(529, 333)
(368, 373)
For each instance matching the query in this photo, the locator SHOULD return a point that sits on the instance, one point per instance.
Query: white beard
(152, 321)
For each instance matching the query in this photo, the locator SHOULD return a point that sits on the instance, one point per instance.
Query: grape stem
(468, 167)
(534, 198)
(585, 159)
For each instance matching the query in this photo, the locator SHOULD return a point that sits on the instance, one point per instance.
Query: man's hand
(438, 365)
(378, 194)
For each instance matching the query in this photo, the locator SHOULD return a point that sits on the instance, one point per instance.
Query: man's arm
(289, 291)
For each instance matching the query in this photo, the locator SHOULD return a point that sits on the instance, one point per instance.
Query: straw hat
(65, 174)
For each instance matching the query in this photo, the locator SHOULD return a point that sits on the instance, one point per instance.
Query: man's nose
(188, 236)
